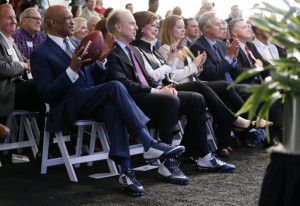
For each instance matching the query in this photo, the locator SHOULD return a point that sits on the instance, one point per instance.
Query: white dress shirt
(269, 52)
(11, 50)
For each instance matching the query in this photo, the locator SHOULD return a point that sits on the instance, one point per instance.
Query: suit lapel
(209, 50)
(59, 51)
(122, 55)
(6, 46)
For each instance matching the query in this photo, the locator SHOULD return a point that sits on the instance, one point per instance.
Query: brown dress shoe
(3, 132)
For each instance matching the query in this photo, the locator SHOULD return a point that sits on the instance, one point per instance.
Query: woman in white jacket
(176, 62)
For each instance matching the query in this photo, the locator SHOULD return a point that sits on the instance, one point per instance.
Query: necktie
(138, 70)
(227, 75)
(70, 51)
(252, 61)
(249, 55)
(70, 48)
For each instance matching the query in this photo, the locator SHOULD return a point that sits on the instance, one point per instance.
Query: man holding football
(61, 82)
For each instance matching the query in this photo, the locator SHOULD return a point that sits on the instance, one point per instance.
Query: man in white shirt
(266, 49)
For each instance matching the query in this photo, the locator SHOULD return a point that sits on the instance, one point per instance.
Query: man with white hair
(29, 36)
(221, 59)
(15, 93)
(162, 104)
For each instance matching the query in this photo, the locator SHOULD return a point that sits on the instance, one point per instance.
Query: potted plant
(282, 178)
(283, 84)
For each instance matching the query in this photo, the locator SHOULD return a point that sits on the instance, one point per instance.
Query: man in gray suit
(15, 93)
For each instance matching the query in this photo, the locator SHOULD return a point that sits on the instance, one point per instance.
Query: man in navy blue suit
(221, 61)
(56, 68)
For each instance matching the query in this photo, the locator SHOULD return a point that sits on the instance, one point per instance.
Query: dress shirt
(26, 43)
(60, 42)
(243, 47)
(11, 50)
(269, 52)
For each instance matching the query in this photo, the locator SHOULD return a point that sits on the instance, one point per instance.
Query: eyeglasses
(34, 18)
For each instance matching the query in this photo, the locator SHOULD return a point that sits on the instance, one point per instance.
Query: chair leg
(45, 152)
(93, 141)
(79, 143)
(30, 135)
(35, 129)
(21, 131)
(66, 157)
(210, 136)
(105, 145)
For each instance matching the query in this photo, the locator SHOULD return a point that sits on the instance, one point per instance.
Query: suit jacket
(9, 70)
(49, 63)
(214, 69)
(121, 69)
(243, 61)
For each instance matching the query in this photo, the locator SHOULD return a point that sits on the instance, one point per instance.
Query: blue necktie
(68, 44)
(71, 50)
(227, 75)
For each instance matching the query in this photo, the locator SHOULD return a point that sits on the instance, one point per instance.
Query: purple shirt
(26, 43)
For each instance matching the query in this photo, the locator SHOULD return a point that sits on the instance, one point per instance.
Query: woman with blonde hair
(80, 28)
(176, 63)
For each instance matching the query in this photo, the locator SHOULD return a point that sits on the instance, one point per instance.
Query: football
(93, 44)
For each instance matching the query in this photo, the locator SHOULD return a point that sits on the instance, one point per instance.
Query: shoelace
(163, 146)
(175, 166)
(217, 161)
(131, 175)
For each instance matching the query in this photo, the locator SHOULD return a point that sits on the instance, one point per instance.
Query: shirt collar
(242, 45)
(9, 41)
(121, 44)
(210, 42)
(57, 40)
(152, 43)
(260, 44)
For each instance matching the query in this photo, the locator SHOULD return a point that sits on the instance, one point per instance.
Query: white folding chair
(27, 124)
(70, 160)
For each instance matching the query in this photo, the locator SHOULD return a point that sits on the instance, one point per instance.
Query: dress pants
(27, 97)
(222, 115)
(111, 103)
(276, 111)
(165, 110)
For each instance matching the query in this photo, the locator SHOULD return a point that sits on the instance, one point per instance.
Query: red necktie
(252, 61)
(138, 70)
(249, 55)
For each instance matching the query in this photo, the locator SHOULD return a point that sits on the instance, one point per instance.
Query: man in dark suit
(163, 105)
(56, 68)
(221, 58)
(15, 93)
(248, 56)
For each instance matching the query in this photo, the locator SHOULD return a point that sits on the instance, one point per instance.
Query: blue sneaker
(210, 163)
(158, 149)
(128, 183)
(170, 170)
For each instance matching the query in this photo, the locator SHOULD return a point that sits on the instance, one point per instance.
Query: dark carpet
(22, 184)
